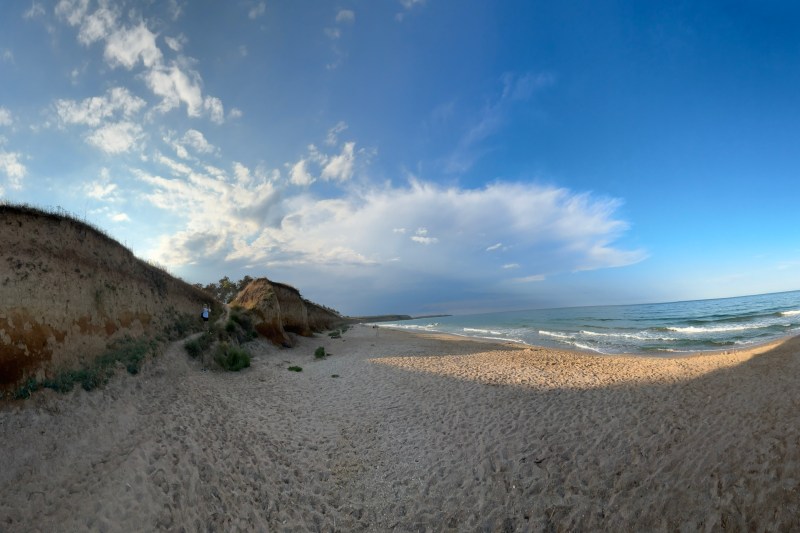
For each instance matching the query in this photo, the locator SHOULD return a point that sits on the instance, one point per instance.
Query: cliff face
(278, 308)
(260, 300)
(67, 291)
(320, 319)
(293, 309)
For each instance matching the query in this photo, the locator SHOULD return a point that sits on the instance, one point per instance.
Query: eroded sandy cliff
(67, 291)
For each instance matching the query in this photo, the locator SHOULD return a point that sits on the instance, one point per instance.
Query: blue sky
(419, 156)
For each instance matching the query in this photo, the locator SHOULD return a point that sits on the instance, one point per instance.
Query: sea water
(656, 329)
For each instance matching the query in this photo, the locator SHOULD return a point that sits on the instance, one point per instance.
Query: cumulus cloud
(136, 45)
(299, 175)
(73, 11)
(547, 229)
(340, 167)
(220, 208)
(97, 26)
(109, 118)
(176, 44)
(11, 166)
(102, 188)
(175, 86)
(5, 117)
(126, 47)
(192, 139)
(116, 138)
(97, 109)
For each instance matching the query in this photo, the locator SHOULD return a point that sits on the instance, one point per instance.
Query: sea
(660, 329)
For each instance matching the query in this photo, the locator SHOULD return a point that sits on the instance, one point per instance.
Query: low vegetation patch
(128, 352)
(319, 353)
(198, 346)
(334, 375)
(295, 369)
(231, 358)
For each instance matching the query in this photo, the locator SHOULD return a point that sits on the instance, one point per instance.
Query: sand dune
(417, 433)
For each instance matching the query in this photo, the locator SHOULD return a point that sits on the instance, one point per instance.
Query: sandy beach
(417, 433)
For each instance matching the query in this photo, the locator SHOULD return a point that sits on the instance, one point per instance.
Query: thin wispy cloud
(516, 90)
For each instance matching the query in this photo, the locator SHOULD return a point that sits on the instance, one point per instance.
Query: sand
(418, 433)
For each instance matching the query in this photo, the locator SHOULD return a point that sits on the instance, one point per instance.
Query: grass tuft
(295, 369)
(131, 353)
(319, 353)
(231, 357)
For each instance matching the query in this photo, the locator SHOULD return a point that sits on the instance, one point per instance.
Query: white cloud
(97, 26)
(191, 139)
(102, 188)
(36, 10)
(175, 8)
(340, 167)
(8, 56)
(220, 210)
(176, 44)
(95, 110)
(257, 10)
(530, 279)
(116, 138)
(120, 217)
(424, 240)
(333, 33)
(552, 231)
(175, 86)
(345, 15)
(72, 10)
(299, 174)
(408, 5)
(176, 167)
(126, 47)
(214, 106)
(234, 113)
(5, 117)
(333, 133)
(11, 166)
(198, 142)
(493, 116)
(494, 247)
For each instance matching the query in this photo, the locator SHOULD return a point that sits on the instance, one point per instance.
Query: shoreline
(415, 431)
(666, 355)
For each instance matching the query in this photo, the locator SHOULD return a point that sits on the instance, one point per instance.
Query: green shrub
(130, 352)
(295, 368)
(26, 390)
(196, 347)
(231, 358)
(319, 353)
(334, 375)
